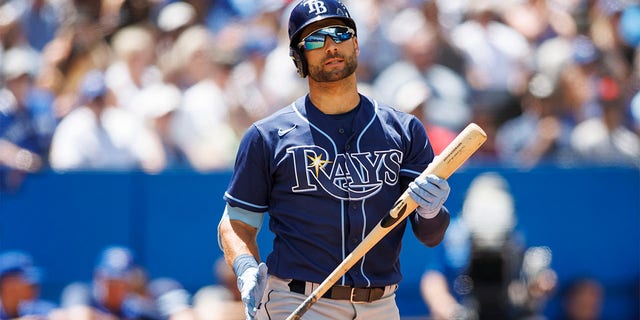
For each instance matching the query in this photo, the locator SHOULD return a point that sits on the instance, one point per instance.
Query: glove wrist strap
(426, 213)
(244, 262)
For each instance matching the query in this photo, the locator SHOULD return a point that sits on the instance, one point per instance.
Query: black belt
(338, 292)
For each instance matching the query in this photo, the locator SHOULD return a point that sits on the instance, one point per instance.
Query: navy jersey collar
(368, 109)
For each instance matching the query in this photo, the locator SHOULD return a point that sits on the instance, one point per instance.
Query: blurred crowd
(120, 289)
(162, 84)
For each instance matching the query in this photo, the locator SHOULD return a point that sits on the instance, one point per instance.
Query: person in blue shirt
(20, 283)
(27, 121)
(111, 293)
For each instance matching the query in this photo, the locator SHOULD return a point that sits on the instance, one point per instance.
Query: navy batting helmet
(307, 12)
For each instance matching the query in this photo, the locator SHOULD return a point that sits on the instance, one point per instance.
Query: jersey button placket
(355, 225)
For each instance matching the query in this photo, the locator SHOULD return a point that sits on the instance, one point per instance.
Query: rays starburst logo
(317, 163)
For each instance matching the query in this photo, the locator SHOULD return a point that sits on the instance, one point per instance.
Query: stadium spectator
(495, 67)
(539, 135)
(579, 79)
(111, 294)
(171, 300)
(605, 139)
(39, 19)
(26, 119)
(533, 19)
(134, 66)
(98, 136)
(78, 47)
(156, 105)
(378, 51)
(172, 20)
(634, 89)
(20, 282)
(11, 31)
(495, 54)
(483, 269)
(221, 301)
(203, 125)
(278, 76)
(251, 85)
(582, 299)
(444, 93)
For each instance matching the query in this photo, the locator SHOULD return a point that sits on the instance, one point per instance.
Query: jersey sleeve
(431, 231)
(418, 152)
(251, 180)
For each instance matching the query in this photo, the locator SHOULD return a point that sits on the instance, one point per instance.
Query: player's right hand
(252, 283)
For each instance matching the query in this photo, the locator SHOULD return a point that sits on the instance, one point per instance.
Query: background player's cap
(19, 263)
(115, 262)
(307, 12)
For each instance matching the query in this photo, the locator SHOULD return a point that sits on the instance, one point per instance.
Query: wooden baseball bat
(443, 165)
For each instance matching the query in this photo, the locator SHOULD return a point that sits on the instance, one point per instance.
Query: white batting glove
(429, 193)
(252, 283)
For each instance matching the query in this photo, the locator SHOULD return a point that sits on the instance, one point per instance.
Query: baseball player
(326, 169)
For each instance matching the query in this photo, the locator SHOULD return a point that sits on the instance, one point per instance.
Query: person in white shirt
(495, 54)
(203, 126)
(606, 140)
(134, 67)
(98, 136)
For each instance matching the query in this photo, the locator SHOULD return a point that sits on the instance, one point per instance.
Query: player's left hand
(252, 283)
(429, 193)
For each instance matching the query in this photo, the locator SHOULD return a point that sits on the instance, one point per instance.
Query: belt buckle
(353, 294)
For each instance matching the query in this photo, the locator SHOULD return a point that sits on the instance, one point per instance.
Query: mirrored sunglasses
(317, 39)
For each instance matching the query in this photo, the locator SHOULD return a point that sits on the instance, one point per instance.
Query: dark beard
(351, 64)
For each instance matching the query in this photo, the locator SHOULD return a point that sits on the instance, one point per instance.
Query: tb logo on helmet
(316, 6)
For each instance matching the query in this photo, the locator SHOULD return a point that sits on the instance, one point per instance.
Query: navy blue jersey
(326, 186)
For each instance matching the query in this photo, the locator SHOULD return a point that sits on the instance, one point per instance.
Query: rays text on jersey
(352, 176)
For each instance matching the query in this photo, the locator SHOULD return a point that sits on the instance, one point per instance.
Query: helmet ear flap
(299, 62)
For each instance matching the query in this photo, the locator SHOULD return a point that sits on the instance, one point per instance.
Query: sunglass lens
(337, 34)
(340, 34)
(314, 41)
